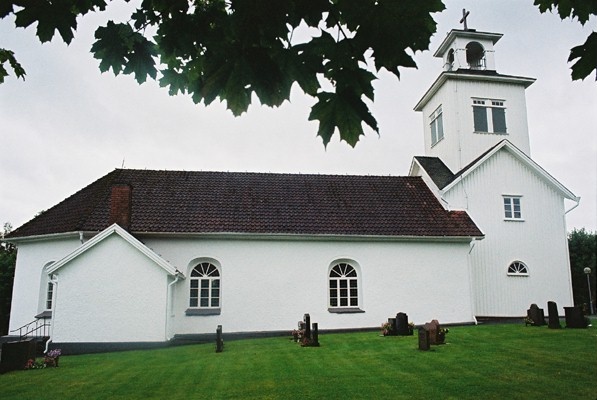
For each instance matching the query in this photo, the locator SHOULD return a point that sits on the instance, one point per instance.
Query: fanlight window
(518, 268)
(344, 290)
(205, 286)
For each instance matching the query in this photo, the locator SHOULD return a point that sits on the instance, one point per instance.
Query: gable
(186, 202)
(114, 231)
(506, 146)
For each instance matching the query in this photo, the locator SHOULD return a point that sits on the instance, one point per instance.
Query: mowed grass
(508, 361)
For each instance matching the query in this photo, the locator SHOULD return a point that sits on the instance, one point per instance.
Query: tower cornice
(471, 75)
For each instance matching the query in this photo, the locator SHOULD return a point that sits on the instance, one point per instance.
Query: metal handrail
(39, 325)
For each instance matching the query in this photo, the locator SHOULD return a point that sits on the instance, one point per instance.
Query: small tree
(8, 256)
(582, 246)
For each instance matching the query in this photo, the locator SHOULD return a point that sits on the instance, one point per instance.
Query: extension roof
(258, 203)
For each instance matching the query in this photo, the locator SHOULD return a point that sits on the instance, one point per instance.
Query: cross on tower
(464, 16)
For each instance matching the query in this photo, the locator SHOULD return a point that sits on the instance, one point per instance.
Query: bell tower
(471, 107)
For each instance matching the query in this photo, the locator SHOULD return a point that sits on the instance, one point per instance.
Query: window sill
(518, 274)
(202, 311)
(491, 133)
(437, 142)
(345, 310)
(514, 219)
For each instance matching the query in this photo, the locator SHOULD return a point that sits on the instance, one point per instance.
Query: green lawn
(507, 361)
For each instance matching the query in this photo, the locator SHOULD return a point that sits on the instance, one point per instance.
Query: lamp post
(588, 273)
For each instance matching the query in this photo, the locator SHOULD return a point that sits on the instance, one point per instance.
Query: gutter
(577, 200)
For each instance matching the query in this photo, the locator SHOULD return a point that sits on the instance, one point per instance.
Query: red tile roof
(259, 203)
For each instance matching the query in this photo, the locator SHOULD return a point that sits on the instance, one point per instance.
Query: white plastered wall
(110, 293)
(269, 284)
(28, 296)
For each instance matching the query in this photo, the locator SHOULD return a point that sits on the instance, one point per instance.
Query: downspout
(54, 282)
(571, 292)
(169, 314)
(470, 277)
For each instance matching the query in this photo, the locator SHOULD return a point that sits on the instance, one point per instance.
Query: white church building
(477, 229)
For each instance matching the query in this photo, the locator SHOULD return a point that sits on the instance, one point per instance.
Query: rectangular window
(489, 116)
(49, 295)
(437, 126)
(512, 209)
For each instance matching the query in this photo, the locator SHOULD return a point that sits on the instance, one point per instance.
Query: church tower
(471, 107)
(477, 158)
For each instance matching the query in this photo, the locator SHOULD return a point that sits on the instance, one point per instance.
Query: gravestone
(402, 327)
(219, 340)
(575, 317)
(392, 322)
(315, 335)
(554, 317)
(433, 329)
(307, 320)
(423, 338)
(16, 354)
(536, 314)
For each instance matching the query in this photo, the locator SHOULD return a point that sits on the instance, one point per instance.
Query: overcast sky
(67, 124)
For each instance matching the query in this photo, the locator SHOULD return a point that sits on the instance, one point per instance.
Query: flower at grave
(54, 353)
(528, 321)
(386, 328)
(35, 364)
(51, 358)
(444, 330)
(298, 334)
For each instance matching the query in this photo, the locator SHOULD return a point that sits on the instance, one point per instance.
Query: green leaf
(343, 111)
(587, 58)
(6, 8)
(7, 56)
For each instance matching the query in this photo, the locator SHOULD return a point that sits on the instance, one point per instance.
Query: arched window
(343, 286)
(205, 286)
(475, 55)
(46, 293)
(518, 268)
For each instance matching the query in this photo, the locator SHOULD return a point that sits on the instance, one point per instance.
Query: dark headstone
(402, 327)
(392, 322)
(575, 317)
(307, 320)
(536, 314)
(554, 317)
(433, 329)
(315, 335)
(16, 354)
(219, 340)
(423, 339)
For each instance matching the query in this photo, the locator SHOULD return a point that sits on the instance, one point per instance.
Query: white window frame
(436, 125)
(49, 295)
(344, 287)
(517, 268)
(510, 203)
(490, 106)
(205, 284)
